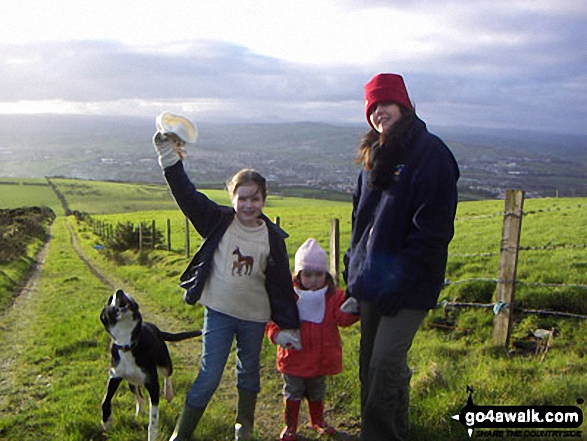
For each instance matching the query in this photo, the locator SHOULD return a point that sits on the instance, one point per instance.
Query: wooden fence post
(506, 284)
(187, 238)
(335, 250)
(140, 237)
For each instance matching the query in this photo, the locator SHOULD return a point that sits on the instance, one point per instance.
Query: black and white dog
(138, 351)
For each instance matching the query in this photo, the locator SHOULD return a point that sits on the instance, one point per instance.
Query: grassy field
(553, 238)
(27, 193)
(55, 373)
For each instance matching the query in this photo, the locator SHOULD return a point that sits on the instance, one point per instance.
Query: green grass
(551, 237)
(120, 202)
(16, 193)
(113, 197)
(59, 353)
(16, 262)
(58, 346)
(14, 273)
(553, 252)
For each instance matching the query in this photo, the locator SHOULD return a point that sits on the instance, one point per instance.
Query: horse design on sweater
(242, 262)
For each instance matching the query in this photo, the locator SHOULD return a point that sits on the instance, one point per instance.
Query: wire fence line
(501, 214)
(335, 257)
(518, 282)
(504, 306)
(498, 306)
(552, 247)
(106, 230)
(523, 248)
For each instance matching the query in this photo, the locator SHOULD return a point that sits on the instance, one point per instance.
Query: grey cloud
(533, 75)
(95, 71)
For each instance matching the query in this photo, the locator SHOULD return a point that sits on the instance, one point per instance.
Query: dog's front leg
(112, 387)
(153, 389)
(153, 421)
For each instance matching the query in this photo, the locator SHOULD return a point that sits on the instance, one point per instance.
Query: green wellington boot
(245, 415)
(187, 423)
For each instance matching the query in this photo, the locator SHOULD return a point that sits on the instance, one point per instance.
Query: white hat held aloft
(168, 122)
(310, 257)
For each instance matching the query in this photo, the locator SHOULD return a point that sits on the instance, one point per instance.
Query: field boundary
(93, 269)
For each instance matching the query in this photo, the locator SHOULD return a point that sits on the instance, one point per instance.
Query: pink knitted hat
(385, 87)
(310, 256)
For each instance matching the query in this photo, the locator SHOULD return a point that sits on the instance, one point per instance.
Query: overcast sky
(490, 63)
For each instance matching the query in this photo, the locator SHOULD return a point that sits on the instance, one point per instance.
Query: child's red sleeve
(272, 330)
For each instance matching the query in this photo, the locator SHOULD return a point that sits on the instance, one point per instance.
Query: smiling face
(248, 202)
(384, 115)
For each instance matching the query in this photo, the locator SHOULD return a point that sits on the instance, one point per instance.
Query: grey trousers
(384, 372)
(296, 388)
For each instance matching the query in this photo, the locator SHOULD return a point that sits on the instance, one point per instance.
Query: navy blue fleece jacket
(400, 235)
(211, 221)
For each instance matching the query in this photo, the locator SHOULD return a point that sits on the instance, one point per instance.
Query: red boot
(290, 416)
(317, 418)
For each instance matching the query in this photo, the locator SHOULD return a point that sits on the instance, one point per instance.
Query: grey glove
(351, 306)
(170, 149)
(289, 339)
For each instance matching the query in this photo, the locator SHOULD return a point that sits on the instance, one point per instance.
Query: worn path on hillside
(14, 337)
(12, 321)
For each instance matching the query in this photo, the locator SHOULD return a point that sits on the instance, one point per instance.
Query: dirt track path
(15, 321)
(12, 322)
(15, 332)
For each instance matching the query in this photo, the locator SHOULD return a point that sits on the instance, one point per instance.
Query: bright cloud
(481, 62)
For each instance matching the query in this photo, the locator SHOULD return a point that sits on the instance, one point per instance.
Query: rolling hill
(298, 158)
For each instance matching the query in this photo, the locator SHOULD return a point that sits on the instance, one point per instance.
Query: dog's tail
(179, 336)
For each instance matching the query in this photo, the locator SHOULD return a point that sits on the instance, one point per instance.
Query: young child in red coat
(305, 364)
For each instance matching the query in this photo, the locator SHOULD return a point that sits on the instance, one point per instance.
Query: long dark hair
(380, 152)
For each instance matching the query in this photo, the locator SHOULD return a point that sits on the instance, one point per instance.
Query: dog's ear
(104, 317)
(133, 305)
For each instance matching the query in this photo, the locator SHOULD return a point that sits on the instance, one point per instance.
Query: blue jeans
(217, 337)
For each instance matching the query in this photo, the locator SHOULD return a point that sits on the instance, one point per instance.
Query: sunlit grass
(59, 354)
(16, 193)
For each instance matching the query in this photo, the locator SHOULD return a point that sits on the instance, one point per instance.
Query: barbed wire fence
(502, 308)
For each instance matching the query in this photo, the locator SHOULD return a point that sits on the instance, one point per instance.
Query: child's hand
(169, 147)
(289, 339)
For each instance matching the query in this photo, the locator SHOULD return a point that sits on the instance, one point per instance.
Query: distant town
(303, 159)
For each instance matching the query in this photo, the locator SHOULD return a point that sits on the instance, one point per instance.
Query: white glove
(351, 306)
(170, 149)
(289, 339)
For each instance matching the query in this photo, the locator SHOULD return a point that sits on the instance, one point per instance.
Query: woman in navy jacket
(404, 206)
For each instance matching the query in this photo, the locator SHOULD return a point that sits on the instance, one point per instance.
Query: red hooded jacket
(321, 352)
